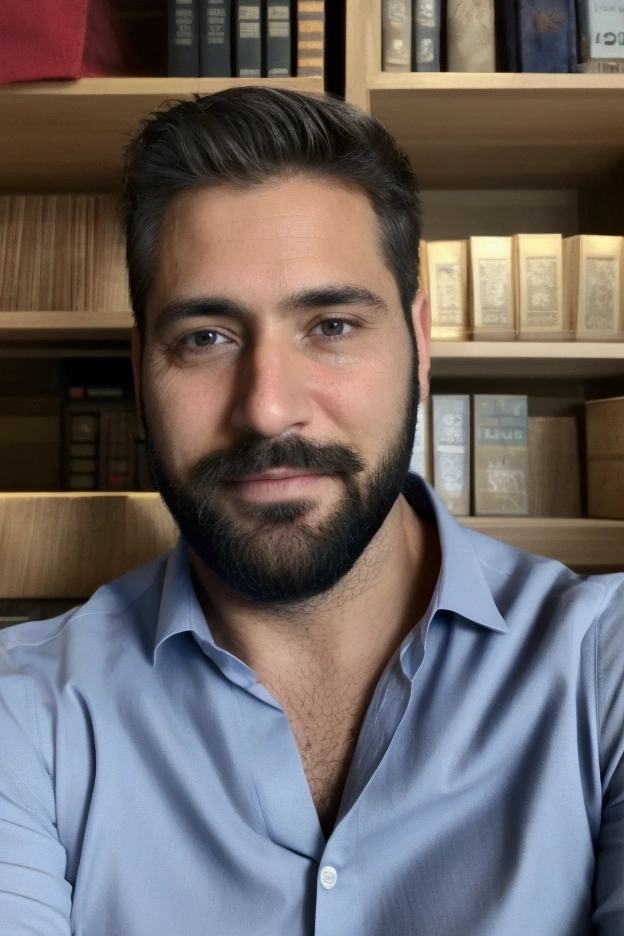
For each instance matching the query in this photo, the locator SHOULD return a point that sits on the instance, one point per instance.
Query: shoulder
(121, 610)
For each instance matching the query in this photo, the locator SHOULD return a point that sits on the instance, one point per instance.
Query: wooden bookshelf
(68, 136)
(91, 539)
(37, 327)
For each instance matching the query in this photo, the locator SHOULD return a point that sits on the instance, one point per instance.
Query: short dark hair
(248, 135)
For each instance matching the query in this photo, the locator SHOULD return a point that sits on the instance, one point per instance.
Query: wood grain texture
(67, 545)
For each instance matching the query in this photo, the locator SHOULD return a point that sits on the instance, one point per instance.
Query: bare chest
(326, 727)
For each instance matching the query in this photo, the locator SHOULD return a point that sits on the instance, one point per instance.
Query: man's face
(278, 381)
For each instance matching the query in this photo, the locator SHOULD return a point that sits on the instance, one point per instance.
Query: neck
(359, 623)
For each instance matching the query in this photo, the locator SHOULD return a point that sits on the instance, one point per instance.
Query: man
(330, 709)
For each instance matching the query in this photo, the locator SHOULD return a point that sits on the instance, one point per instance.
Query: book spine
(396, 31)
(451, 452)
(470, 43)
(601, 29)
(310, 38)
(278, 39)
(547, 36)
(506, 27)
(426, 32)
(248, 39)
(500, 455)
(421, 455)
(183, 38)
(215, 59)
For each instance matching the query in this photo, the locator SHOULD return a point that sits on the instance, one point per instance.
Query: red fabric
(43, 39)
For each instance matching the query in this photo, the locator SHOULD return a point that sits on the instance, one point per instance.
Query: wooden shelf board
(65, 545)
(68, 135)
(63, 326)
(576, 359)
(504, 130)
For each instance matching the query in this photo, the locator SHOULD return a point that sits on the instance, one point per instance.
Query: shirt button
(329, 876)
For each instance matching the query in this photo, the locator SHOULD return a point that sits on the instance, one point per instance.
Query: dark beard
(272, 555)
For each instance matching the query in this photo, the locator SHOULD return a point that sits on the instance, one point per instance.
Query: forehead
(271, 236)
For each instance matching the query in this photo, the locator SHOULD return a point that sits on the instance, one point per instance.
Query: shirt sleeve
(35, 898)
(608, 919)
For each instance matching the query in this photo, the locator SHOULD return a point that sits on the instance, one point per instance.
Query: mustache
(255, 456)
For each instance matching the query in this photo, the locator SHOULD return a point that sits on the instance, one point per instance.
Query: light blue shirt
(150, 786)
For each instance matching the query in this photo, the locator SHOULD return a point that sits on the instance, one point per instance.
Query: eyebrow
(307, 300)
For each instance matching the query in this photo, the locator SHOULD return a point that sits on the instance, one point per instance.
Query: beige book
(500, 455)
(593, 271)
(451, 451)
(538, 268)
(492, 295)
(422, 461)
(470, 36)
(604, 445)
(423, 272)
(396, 31)
(447, 268)
(554, 467)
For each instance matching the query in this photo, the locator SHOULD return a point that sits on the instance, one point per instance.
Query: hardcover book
(451, 451)
(604, 439)
(470, 44)
(278, 39)
(183, 38)
(447, 269)
(554, 467)
(593, 271)
(310, 38)
(500, 455)
(426, 16)
(396, 31)
(422, 462)
(215, 44)
(547, 36)
(248, 38)
(601, 39)
(538, 261)
(492, 295)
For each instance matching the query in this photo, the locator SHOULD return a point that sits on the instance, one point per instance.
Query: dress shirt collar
(461, 589)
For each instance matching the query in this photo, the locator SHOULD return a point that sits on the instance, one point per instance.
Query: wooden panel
(67, 545)
(504, 130)
(68, 136)
(63, 326)
(526, 359)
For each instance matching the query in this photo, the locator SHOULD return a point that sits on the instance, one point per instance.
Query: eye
(203, 339)
(333, 328)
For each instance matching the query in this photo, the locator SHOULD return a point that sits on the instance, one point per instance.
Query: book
(601, 36)
(451, 451)
(546, 36)
(278, 39)
(426, 35)
(423, 272)
(470, 44)
(310, 38)
(421, 462)
(538, 269)
(396, 32)
(500, 455)
(506, 29)
(215, 41)
(604, 447)
(248, 42)
(183, 38)
(492, 295)
(593, 286)
(447, 273)
(554, 467)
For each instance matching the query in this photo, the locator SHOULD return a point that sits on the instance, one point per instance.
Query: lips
(278, 474)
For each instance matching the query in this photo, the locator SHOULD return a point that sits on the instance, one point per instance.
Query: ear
(421, 318)
(137, 358)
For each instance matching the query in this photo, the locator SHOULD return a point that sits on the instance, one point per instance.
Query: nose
(272, 399)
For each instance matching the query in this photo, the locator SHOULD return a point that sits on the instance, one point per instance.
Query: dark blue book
(278, 38)
(426, 23)
(215, 47)
(183, 38)
(248, 45)
(506, 29)
(547, 36)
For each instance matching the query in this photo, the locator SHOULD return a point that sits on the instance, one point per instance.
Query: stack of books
(246, 38)
(539, 287)
(502, 35)
(485, 456)
(62, 253)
